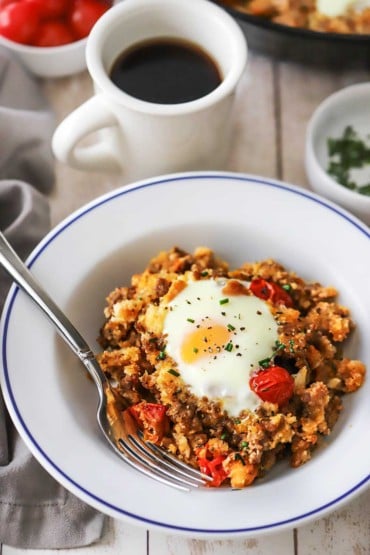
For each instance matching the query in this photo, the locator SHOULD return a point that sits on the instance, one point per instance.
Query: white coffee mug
(140, 138)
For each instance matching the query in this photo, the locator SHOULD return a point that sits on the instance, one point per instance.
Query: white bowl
(51, 61)
(349, 106)
(242, 218)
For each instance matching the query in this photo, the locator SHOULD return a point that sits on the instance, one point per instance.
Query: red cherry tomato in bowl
(4, 3)
(85, 14)
(273, 384)
(54, 9)
(49, 22)
(53, 33)
(19, 21)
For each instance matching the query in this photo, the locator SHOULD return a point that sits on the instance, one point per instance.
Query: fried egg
(335, 8)
(218, 339)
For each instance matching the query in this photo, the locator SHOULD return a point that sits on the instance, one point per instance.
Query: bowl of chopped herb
(337, 156)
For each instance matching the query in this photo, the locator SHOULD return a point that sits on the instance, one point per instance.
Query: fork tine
(145, 458)
(125, 453)
(159, 459)
(129, 432)
(163, 454)
(116, 426)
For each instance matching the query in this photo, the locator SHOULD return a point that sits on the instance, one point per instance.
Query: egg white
(335, 8)
(220, 372)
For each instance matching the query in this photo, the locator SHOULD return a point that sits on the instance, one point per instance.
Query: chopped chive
(161, 355)
(224, 301)
(238, 457)
(264, 362)
(204, 273)
(223, 436)
(244, 444)
(190, 320)
(237, 420)
(173, 372)
(230, 327)
(291, 346)
(287, 286)
(229, 347)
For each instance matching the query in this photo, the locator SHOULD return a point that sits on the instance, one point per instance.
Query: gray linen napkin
(35, 511)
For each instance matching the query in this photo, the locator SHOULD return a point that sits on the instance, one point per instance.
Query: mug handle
(93, 115)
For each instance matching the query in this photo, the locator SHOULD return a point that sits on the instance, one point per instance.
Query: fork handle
(14, 266)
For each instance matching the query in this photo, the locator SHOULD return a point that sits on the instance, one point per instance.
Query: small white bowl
(349, 106)
(51, 61)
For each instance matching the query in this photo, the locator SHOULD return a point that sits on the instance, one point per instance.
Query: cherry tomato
(152, 419)
(273, 384)
(4, 3)
(213, 467)
(53, 33)
(19, 21)
(53, 9)
(85, 14)
(270, 291)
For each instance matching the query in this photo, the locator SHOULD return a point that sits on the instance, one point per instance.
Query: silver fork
(118, 427)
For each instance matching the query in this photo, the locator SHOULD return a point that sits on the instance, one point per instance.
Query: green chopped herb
(364, 190)
(229, 347)
(238, 457)
(345, 153)
(244, 444)
(237, 420)
(173, 372)
(161, 355)
(279, 345)
(224, 301)
(190, 320)
(287, 286)
(223, 436)
(265, 363)
(204, 273)
(291, 346)
(230, 327)
(195, 350)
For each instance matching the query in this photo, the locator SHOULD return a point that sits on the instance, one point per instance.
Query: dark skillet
(303, 46)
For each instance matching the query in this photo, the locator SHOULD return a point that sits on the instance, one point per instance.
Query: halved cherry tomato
(19, 21)
(273, 384)
(270, 291)
(85, 14)
(210, 463)
(213, 467)
(152, 419)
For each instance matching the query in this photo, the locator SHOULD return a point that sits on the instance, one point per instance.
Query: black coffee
(165, 71)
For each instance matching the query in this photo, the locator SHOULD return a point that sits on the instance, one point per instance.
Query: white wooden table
(274, 103)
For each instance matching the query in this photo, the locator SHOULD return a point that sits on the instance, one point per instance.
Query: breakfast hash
(329, 16)
(230, 370)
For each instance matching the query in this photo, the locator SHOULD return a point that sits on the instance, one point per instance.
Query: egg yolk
(204, 342)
